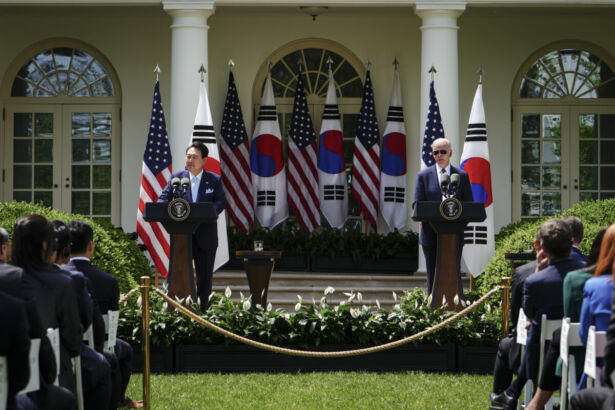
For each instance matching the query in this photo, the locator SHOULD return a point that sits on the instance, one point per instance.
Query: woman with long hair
(33, 249)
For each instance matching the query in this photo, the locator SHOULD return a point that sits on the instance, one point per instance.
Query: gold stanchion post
(505, 305)
(145, 283)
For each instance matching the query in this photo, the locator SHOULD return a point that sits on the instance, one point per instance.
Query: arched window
(573, 72)
(563, 139)
(62, 130)
(348, 72)
(62, 71)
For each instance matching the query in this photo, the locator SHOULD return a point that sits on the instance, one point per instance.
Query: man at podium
(199, 186)
(428, 188)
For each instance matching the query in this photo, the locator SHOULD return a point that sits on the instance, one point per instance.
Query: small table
(259, 266)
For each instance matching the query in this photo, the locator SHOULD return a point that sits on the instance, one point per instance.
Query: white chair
(78, 381)
(569, 338)
(54, 338)
(547, 327)
(596, 342)
(522, 340)
(4, 383)
(111, 321)
(88, 336)
(34, 382)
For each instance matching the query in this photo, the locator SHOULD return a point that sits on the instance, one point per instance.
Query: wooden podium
(259, 266)
(181, 276)
(447, 275)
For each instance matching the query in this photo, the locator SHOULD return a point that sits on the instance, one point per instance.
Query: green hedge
(330, 242)
(314, 323)
(518, 237)
(115, 252)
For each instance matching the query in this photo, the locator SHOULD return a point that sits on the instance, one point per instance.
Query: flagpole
(157, 70)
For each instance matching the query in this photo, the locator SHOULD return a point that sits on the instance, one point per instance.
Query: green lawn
(339, 390)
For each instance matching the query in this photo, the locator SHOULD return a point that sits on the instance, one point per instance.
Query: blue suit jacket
(210, 190)
(427, 188)
(543, 294)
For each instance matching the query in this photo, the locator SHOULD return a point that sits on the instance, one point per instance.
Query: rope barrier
(345, 353)
(125, 297)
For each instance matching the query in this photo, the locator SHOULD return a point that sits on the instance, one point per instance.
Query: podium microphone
(185, 184)
(175, 185)
(454, 184)
(444, 181)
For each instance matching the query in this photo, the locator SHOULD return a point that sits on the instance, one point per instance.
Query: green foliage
(115, 252)
(312, 324)
(330, 242)
(519, 236)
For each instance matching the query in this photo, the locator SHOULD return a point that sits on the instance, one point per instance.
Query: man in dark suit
(205, 186)
(576, 226)
(427, 188)
(509, 351)
(543, 294)
(106, 294)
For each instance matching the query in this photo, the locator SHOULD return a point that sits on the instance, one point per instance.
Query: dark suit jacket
(105, 286)
(543, 294)
(12, 283)
(210, 190)
(577, 254)
(15, 343)
(428, 189)
(97, 321)
(84, 301)
(516, 286)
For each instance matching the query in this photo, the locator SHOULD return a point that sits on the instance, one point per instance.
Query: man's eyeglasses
(442, 151)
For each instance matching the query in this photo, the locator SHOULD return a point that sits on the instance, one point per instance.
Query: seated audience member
(542, 294)
(95, 370)
(15, 348)
(509, 351)
(42, 293)
(574, 282)
(602, 397)
(597, 293)
(576, 226)
(106, 294)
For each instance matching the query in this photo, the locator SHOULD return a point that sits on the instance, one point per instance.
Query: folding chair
(522, 340)
(4, 383)
(111, 322)
(596, 341)
(54, 338)
(547, 327)
(34, 382)
(78, 381)
(569, 338)
(88, 336)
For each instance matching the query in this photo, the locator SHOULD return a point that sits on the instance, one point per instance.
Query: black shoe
(501, 401)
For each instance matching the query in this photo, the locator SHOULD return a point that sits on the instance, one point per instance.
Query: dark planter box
(401, 263)
(234, 263)
(241, 358)
(161, 359)
(476, 359)
(293, 263)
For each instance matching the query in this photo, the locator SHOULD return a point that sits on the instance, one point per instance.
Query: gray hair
(448, 143)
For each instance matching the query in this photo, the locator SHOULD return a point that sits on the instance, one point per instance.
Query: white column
(188, 52)
(439, 49)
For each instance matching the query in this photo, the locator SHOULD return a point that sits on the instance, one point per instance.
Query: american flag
(433, 128)
(302, 172)
(235, 156)
(157, 169)
(366, 160)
